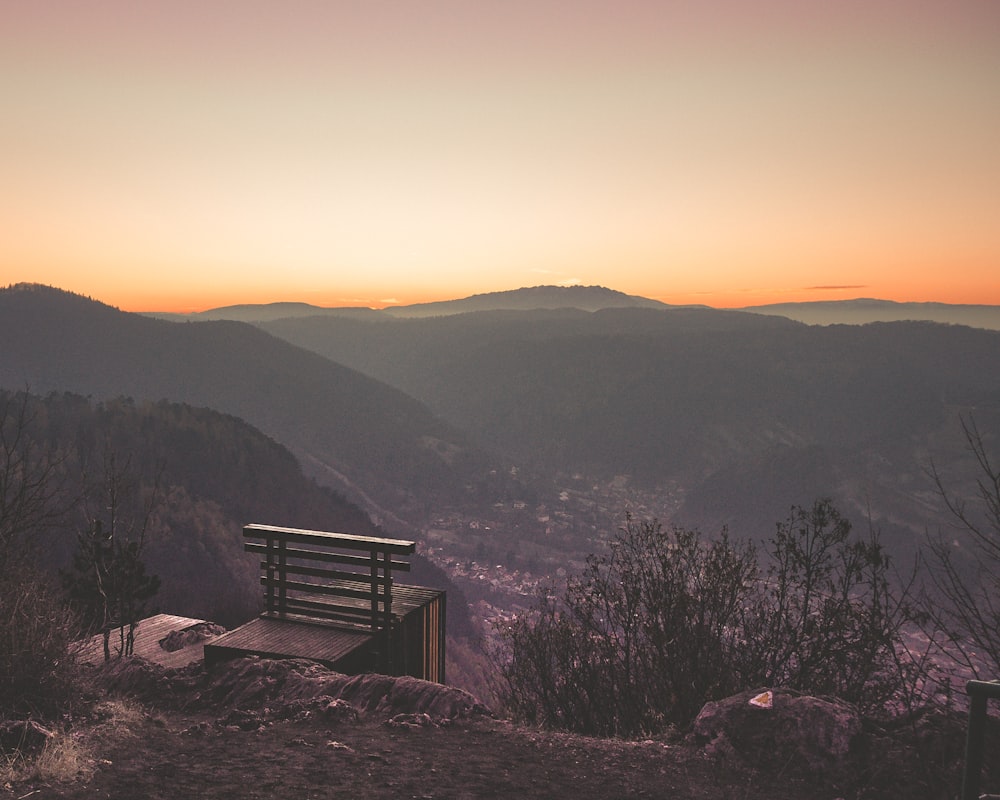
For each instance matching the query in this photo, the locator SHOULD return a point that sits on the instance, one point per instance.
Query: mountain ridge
(857, 311)
(865, 310)
(584, 298)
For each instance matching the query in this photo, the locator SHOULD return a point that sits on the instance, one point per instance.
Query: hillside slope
(374, 442)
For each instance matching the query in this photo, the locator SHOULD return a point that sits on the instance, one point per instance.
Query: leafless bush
(965, 569)
(667, 621)
(36, 635)
(829, 620)
(35, 626)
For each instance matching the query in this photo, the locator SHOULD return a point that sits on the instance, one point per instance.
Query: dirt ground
(177, 755)
(266, 731)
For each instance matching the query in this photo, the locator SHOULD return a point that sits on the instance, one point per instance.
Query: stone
(193, 634)
(798, 732)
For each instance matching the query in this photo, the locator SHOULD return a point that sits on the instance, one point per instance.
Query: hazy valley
(511, 433)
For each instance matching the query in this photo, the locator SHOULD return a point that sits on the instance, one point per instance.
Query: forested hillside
(367, 439)
(748, 413)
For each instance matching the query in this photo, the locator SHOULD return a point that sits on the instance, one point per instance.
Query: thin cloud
(836, 287)
(563, 282)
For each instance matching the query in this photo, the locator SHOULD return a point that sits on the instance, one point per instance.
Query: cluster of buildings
(503, 555)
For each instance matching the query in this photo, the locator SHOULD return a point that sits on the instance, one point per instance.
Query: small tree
(108, 581)
(829, 621)
(966, 603)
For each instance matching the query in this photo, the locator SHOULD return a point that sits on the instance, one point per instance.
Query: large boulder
(781, 729)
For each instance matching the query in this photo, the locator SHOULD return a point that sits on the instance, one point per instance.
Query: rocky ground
(264, 729)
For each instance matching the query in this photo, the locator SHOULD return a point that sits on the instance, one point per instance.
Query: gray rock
(799, 733)
(193, 634)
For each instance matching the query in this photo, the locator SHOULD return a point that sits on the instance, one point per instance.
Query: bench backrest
(333, 577)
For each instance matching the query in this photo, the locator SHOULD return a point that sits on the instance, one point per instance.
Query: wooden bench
(332, 597)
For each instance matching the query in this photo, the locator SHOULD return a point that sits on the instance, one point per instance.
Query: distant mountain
(595, 298)
(215, 473)
(864, 310)
(265, 312)
(375, 443)
(585, 298)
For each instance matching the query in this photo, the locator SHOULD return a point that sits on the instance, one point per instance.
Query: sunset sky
(189, 154)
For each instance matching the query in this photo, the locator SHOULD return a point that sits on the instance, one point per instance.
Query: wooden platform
(345, 649)
(147, 642)
(338, 648)
(332, 598)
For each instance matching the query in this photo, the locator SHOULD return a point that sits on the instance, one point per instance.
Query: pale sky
(183, 155)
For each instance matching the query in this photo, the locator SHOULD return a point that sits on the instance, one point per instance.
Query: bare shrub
(965, 569)
(638, 640)
(36, 635)
(36, 628)
(667, 621)
(829, 621)
(32, 490)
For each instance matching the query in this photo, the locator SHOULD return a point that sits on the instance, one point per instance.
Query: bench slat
(313, 609)
(331, 574)
(327, 556)
(326, 539)
(315, 588)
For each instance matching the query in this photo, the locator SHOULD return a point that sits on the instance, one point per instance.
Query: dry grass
(73, 755)
(63, 759)
(117, 717)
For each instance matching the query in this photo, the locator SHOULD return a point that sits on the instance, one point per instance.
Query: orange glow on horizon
(189, 303)
(728, 153)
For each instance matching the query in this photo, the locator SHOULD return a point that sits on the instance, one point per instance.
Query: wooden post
(282, 576)
(979, 692)
(270, 559)
(387, 608)
(373, 567)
